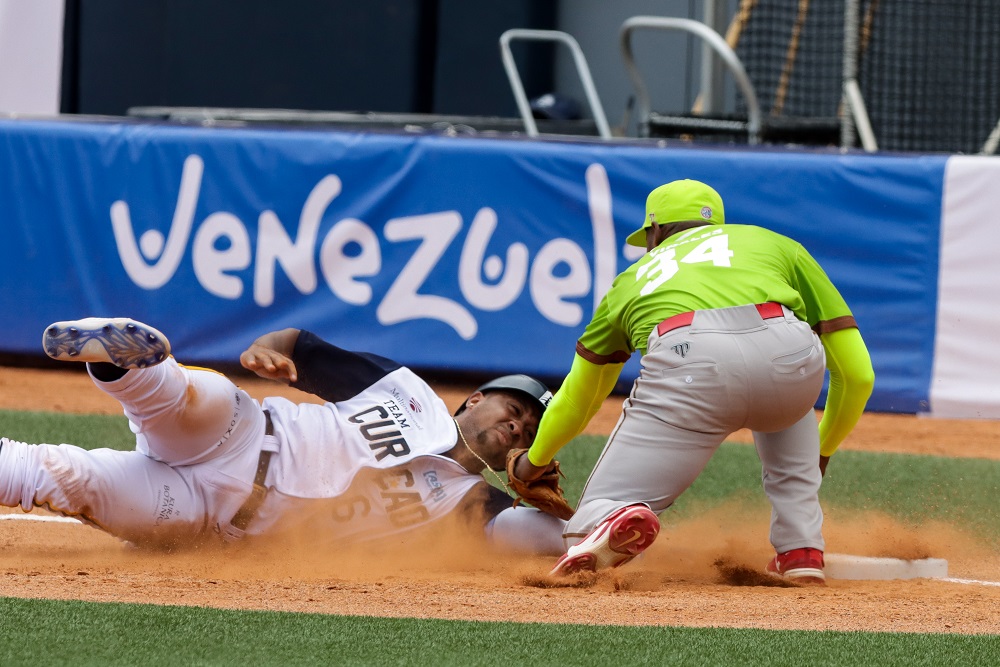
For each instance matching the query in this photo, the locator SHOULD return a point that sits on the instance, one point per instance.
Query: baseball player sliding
(732, 322)
(382, 457)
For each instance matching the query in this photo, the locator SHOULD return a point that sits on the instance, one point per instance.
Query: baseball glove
(543, 493)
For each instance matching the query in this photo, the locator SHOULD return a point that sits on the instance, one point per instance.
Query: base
(846, 566)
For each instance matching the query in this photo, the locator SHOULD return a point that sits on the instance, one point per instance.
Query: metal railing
(523, 106)
(713, 40)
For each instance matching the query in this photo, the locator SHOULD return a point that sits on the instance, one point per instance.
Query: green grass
(87, 431)
(910, 488)
(39, 632)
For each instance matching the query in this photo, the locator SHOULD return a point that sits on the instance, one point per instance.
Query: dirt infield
(699, 573)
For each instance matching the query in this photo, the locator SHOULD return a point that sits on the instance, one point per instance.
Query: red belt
(767, 311)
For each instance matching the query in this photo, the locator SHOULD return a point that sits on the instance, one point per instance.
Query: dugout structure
(924, 73)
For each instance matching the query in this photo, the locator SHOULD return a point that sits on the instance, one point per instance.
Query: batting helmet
(523, 384)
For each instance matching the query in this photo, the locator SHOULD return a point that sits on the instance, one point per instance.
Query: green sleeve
(574, 405)
(603, 342)
(851, 382)
(823, 306)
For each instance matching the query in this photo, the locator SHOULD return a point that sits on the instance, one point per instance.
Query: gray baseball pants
(730, 369)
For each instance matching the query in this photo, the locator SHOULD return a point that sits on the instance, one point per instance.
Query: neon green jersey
(707, 267)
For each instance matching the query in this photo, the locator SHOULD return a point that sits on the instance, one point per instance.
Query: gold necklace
(485, 464)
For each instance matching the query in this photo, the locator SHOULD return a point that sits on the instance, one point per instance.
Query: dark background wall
(469, 75)
(419, 56)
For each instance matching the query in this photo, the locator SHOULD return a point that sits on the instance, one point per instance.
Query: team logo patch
(436, 487)
(706, 212)
(414, 406)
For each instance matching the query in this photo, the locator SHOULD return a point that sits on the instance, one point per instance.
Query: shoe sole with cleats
(123, 342)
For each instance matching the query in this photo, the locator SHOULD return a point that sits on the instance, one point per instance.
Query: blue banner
(461, 254)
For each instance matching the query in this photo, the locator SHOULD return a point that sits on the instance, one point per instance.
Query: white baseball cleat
(614, 542)
(119, 341)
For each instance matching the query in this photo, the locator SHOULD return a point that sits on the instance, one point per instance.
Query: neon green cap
(679, 201)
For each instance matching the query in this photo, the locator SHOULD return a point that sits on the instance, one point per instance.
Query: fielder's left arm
(579, 398)
(851, 381)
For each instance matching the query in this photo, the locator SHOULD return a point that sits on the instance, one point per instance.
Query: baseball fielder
(733, 323)
(382, 457)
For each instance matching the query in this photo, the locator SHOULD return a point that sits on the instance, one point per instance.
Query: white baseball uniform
(365, 465)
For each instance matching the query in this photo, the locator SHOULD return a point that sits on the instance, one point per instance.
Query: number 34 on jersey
(665, 261)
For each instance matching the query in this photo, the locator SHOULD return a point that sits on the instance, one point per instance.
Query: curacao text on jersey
(381, 431)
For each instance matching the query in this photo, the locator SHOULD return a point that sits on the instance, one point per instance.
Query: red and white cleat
(614, 542)
(801, 566)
